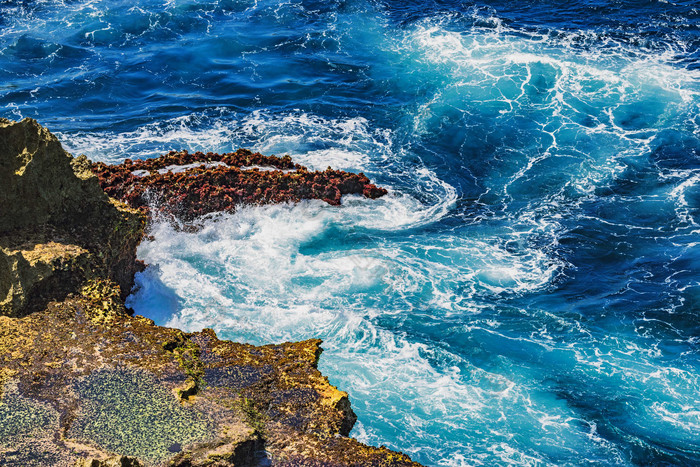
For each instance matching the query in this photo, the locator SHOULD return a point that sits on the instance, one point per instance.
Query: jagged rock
(83, 383)
(38, 184)
(110, 387)
(28, 276)
(190, 185)
(57, 227)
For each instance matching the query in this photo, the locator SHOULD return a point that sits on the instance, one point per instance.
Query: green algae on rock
(23, 418)
(129, 412)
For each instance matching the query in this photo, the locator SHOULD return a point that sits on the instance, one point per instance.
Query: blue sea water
(529, 291)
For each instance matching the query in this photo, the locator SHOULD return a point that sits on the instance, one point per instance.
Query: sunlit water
(528, 292)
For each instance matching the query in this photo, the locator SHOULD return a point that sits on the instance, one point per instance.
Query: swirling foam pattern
(528, 292)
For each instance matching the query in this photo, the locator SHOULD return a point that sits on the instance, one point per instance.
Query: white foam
(584, 99)
(184, 168)
(401, 211)
(140, 173)
(194, 132)
(292, 271)
(340, 159)
(689, 180)
(265, 168)
(348, 144)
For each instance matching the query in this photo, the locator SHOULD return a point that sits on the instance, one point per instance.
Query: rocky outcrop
(57, 227)
(83, 383)
(86, 381)
(38, 185)
(190, 185)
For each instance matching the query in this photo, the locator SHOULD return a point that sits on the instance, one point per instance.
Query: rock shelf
(85, 383)
(190, 185)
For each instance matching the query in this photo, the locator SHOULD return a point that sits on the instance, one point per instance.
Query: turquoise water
(528, 292)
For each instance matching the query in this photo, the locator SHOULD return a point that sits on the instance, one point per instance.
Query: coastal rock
(38, 185)
(190, 185)
(57, 227)
(84, 383)
(42, 271)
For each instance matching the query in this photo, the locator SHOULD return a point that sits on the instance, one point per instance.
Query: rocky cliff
(57, 227)
(83, 383)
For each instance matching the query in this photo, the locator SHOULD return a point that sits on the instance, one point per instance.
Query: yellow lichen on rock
(103, 299)
(331, 395)
(5, 375)
(24, 272)
(52, 253)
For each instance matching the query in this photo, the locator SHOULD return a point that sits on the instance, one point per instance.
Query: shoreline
(85, 383)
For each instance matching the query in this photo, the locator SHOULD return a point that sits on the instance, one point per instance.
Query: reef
(85, 383)
(190, 185)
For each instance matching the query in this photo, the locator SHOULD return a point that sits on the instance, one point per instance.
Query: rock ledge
(83, 383)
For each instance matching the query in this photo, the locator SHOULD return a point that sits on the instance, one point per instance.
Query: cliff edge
(57, 227)
(83, 383)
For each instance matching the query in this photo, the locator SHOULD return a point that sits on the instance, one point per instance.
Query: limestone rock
(95, 388)
(57, 227)
(37, 183)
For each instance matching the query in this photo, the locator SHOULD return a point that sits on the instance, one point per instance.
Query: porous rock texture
(84, 383)
(191, 185)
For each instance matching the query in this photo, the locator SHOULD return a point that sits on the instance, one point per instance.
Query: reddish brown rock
(220, 182)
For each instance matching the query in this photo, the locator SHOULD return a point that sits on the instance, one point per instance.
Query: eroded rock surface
(83, 383)
(83, 380)
(38, 184)
(57, 227)
(190, 185)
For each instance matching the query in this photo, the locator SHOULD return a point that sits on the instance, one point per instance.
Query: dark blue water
(528, 293)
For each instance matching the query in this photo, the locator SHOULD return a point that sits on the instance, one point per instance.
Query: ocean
(528, 293)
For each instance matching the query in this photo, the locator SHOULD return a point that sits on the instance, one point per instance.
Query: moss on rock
(129, 412)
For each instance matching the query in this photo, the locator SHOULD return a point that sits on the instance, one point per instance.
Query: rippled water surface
(527, 294)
